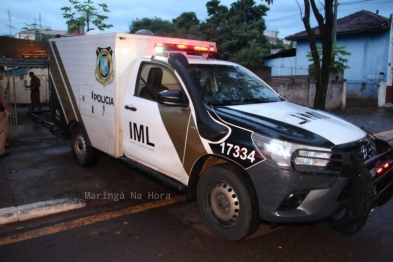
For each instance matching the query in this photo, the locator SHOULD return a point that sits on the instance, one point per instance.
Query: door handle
(130, 108)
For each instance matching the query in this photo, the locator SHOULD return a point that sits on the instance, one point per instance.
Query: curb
(39, 209)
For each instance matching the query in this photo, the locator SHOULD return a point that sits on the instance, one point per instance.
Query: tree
(238, 31)
(280, 44)
(156, 25)
(187, 25)
(186, 20)
(217, 19)
(86, 14)
(252, 55)
(322, 65)
(338, 52)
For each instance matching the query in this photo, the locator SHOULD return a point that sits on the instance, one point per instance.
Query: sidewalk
(27, 186)
(41, 166)
(378, 121)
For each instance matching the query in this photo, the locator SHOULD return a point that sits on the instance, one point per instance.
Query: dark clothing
(35, 100)
(35, 84)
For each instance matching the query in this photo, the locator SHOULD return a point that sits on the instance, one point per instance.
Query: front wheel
(227, 203)
(84, 154)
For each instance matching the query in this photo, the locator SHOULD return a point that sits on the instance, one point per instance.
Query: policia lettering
(140, 134)
(102, 99)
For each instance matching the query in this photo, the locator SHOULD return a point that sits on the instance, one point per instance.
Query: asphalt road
(175, 233)
(164, 227)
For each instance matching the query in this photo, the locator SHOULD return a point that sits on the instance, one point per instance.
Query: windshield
(230, 85)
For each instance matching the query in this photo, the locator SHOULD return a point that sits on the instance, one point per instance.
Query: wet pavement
(375, 120)
(41, 166)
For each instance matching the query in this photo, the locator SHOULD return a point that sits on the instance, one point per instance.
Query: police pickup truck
(215, 131)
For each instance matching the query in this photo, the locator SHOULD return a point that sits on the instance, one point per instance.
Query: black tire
(84, 154)
(234, 214)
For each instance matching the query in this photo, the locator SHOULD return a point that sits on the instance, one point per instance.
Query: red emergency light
(379, 170)
(165, 47)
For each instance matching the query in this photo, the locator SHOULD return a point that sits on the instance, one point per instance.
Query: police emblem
(104, 66)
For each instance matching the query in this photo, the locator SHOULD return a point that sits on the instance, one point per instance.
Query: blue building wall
(285, 66)
(368, 59)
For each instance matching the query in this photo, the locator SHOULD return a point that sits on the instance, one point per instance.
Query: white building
(34, 34)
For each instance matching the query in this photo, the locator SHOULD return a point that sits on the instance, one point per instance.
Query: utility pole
(335, 21)
(10, 25)
(40, 28)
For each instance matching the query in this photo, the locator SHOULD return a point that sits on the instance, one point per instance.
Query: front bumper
(321, 195)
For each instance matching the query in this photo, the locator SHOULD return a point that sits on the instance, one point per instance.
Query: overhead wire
(345, 6)
(372, 3)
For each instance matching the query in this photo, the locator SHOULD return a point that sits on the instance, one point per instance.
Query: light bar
(161, 47)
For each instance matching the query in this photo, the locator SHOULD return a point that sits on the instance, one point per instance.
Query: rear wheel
(228, 203)
(84, 154)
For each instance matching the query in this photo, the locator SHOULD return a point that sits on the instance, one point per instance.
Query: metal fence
(362, 94)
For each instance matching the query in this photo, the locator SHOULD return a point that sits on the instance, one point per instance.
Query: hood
(291, 122)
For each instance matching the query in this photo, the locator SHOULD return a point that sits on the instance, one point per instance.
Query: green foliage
(252, 55)
(86, 14)
(156, 25)
(186, 20)
(187, 25)
(215, 27)
(280, 44)
(238, 31)
(338, 53)
(38, 31)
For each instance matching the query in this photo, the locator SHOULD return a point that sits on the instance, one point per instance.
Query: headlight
(312, 158)
(282, 152)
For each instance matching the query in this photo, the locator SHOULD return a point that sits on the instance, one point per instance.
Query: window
(230, 85)
(154, 79)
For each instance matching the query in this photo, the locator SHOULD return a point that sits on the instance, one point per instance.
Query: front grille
(364, 148)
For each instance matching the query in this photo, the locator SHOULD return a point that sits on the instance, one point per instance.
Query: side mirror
(174, 98)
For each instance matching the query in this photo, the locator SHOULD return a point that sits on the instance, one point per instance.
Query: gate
(362, 94)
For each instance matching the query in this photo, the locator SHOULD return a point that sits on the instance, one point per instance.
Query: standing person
(5, 113)
(35, 84)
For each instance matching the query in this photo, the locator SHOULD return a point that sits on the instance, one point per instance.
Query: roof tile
(362, 21)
